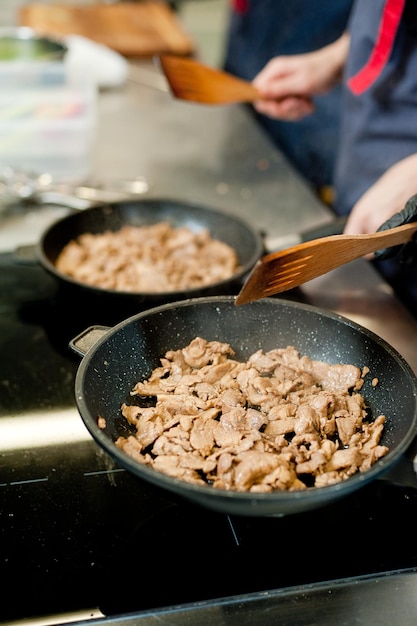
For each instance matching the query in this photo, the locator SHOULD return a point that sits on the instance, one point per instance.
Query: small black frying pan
(235, 232)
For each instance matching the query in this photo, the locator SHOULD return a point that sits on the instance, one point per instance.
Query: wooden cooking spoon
(191, 80)
(286, 269)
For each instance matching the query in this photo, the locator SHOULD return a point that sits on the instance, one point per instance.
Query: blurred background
(51, 128)
(204, 20)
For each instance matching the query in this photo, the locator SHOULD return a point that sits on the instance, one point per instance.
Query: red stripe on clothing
(388, 26)
(240, 6)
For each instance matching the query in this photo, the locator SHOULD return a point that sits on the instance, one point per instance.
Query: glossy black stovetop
(78, 534)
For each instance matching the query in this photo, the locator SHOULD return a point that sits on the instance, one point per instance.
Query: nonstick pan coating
(232, 230)
(130, 350)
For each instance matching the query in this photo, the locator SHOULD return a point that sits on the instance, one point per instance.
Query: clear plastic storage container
(47, 122)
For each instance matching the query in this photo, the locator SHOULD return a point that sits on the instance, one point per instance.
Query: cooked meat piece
(338, 378)
(306, 420)
(230, 398)
(252, 467)
(201, 352)
(278, 421)
(202, 435)
(133, 448)
(171, 464)
(316, 461)
(346, 428)
(280, 427)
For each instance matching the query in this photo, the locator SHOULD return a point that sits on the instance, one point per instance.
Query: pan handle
(26, 255)
(334, 227)
(82, 343)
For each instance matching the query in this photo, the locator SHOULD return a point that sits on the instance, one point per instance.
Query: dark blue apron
(261, 29)
(379, 119)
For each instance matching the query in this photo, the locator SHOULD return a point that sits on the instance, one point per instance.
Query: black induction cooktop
(78, 533)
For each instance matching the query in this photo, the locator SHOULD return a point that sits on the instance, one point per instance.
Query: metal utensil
(286, 269)
(20, 186)
(194, 81)
(335, 226)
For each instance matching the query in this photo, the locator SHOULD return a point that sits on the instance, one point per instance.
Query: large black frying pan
(231, 230)
(127, 352)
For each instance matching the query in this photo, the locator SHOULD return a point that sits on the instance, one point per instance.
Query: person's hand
(384, 198)
(280, 97)
(387, 197)
(408, 251)
(288, 83)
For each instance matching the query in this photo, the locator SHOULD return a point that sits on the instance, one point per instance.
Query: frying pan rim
(259, 248)
(276, 497)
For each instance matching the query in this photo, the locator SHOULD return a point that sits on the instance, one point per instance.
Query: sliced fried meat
(279, 421)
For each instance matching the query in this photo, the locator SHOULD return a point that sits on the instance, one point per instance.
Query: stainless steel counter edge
(383, 599)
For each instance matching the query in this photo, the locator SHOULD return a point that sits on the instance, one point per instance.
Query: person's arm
(287, 83)
(390, 202)
(386, 197)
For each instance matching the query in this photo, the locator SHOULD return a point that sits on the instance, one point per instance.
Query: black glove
(407, 251)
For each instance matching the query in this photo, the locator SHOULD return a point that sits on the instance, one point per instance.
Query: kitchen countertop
(218, 157)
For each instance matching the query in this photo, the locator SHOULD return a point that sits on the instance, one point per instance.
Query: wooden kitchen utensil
(280, 271)
(194, 81)
(133, 29)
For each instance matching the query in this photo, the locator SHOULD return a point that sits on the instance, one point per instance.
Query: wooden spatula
(280, 271)
(194, 81)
